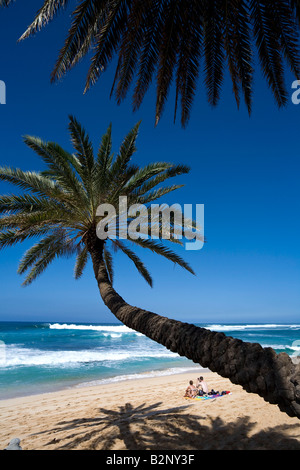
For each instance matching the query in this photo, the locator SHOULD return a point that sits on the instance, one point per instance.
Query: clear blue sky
(244, 170)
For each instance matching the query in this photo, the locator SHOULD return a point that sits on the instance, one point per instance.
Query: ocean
(43, 357)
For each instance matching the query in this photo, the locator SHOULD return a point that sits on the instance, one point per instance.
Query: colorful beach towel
(209, 397)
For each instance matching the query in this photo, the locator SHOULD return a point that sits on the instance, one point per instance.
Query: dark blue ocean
(43, 357)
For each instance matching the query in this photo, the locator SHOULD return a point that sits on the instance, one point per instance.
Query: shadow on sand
(151, 428)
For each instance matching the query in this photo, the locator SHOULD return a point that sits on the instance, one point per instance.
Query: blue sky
(245, 170)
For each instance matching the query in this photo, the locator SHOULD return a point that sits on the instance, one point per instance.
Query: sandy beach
(147, 414)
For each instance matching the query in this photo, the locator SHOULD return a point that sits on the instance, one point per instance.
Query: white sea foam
(17, 356)
(217, 327)
(113, 335)
(106, 329)
(279, 347)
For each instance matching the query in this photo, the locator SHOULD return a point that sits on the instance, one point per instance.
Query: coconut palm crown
(60, 204)
(172, 42)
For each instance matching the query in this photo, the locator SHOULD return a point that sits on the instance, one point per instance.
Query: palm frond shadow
(151, 428)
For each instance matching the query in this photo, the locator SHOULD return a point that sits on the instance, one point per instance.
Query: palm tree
(65, 199)
(170, 40)
(60, 207)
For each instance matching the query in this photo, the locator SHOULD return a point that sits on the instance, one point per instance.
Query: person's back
(191, 391)
(203, 385)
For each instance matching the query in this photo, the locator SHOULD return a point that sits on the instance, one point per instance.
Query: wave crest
(113, 329)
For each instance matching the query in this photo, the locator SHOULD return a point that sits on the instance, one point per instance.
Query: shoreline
(112, 380)
(147, 414)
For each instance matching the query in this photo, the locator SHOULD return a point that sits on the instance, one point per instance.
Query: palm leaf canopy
(59, 205)
(171, 40)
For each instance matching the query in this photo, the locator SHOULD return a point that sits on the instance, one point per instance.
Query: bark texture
(258, 370)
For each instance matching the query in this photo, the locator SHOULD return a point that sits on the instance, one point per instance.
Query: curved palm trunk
(258, 370)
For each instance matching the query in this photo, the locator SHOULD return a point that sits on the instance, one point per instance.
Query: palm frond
(27, 203)
(10, 238)
(160, 249)
(5, 3)
(157, 193)
(120, 170)
(113, 20)
(41, 255)
(166, 40)
(145, 173)
(84, 154)
(29, 180)
(82, 145)
(104, 160)
(170, 171)
(127, 149)
(295, 6)
(269, 48)
(49, 9)
(168, 55)
(60, 164)
(118, 186)
(287, 31)
(237, 43)
(136, 260)
(150, 50)
(129, 48)
(38, 219)
(213, 49)
(189, 55)
(108, 260)
(81, 262)
(84, 27)
(35, 252)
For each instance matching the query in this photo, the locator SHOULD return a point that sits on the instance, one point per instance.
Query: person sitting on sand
(191, 391)
(202, 385)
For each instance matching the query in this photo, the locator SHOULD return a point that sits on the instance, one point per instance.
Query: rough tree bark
(258, 370)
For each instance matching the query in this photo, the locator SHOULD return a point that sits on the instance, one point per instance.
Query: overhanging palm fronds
(5, 3)
(168, 41)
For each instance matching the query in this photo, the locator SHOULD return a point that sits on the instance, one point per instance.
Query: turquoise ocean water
(42, 357)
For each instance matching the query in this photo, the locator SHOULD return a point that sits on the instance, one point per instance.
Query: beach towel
(209, 397)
